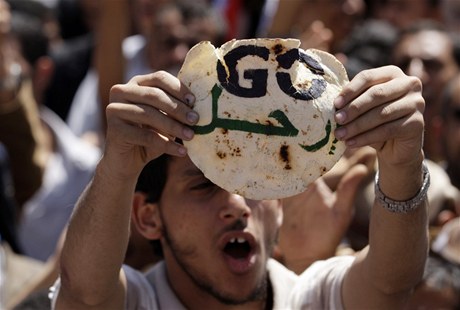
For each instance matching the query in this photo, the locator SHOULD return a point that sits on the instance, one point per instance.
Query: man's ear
(146, 217)
(43, 73)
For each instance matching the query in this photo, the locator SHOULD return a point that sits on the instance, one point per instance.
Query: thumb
(347, 188)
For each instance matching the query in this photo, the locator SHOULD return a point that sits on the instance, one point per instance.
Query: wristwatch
(406, 206)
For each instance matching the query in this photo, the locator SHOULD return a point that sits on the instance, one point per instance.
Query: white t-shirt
(319, 287)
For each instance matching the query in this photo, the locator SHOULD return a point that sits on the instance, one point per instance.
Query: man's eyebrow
(193, 172)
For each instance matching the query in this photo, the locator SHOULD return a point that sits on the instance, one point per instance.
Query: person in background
(66, 163)
(177, 26)
(426, 50)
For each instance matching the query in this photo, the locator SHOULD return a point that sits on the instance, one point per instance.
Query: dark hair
(368, 46)
(151, 181)
(199, 10)
(30, 33)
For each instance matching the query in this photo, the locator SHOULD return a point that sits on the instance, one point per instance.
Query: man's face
(216, 244)
(172, 37)
(427, 55)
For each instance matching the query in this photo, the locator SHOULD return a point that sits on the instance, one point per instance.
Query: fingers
(146, 138)
(363, 81)
(167, 82)
(158, 100)
(379, 105)
(151, 111)
(160, 90)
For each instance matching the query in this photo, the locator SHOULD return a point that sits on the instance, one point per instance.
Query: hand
(383, 108)
(315, 221)
(144, 118)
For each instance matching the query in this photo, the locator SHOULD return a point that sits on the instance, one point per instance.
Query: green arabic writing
(286, 129)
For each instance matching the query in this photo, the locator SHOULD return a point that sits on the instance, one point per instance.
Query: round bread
(266, 128)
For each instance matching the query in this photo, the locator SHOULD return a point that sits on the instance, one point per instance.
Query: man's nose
(234, 207)
(416, 68)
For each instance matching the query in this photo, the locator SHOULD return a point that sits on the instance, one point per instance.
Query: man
(217, 245)
(426, 50)
(176, 26)
(43, 151)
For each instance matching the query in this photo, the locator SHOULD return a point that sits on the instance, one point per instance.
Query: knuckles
(116, 92)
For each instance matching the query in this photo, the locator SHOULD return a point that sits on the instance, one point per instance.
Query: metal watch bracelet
(406, 206)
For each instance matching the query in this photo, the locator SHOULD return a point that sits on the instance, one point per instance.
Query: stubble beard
(259, 292)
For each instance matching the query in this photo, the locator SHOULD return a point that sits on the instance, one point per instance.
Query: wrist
(406, 205)
(401, 181)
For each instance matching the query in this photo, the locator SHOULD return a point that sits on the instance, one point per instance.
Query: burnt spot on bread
(221, 154)
(236, 152)
(304, 85)
(278, 48)
(333, 147)
(224, 131)
(285, 156)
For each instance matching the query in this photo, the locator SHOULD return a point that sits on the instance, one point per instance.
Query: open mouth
(238, 248)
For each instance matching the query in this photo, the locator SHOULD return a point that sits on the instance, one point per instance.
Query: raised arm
(98, 233)
(384, 108)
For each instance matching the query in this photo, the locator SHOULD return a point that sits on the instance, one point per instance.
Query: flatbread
(266, 128)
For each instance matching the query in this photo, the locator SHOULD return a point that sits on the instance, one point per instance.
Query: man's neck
(193, 296)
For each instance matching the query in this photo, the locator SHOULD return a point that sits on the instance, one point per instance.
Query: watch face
(266, 115)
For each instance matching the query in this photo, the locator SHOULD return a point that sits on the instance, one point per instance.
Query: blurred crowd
(59, 59)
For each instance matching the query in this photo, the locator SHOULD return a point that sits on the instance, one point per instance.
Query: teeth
(239, 240)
